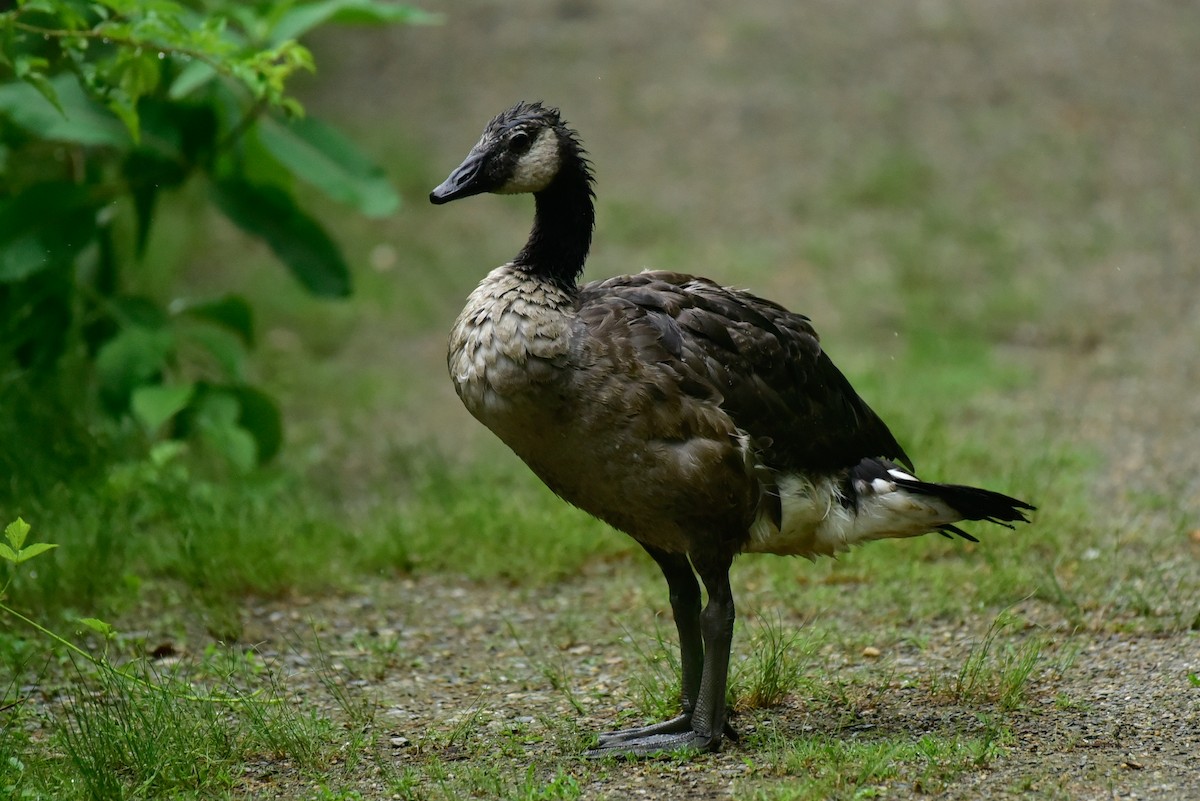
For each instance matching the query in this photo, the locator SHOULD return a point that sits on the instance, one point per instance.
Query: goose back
(760, 363)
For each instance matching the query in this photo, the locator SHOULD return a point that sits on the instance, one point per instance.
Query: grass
(108, 736)
(510, 783)
(111, 737)
(657, 679)
(218, 540)
(999, 672)
(825, 767)
(776, 668)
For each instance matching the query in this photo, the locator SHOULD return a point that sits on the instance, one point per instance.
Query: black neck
(562, 227)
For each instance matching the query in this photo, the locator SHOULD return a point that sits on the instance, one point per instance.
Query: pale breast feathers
(510, 335)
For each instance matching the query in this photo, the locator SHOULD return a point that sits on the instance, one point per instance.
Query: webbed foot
(671, 736)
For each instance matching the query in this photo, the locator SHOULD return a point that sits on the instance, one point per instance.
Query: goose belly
(670, 494)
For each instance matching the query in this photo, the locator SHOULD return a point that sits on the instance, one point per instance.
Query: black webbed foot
(660, 739)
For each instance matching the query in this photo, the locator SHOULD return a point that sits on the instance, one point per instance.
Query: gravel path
(1108, 715)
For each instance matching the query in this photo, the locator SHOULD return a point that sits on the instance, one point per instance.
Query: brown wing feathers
(763, 364)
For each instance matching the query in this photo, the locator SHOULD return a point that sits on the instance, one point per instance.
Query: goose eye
(519, 142)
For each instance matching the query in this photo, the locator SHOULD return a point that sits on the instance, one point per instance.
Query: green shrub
(107, 110)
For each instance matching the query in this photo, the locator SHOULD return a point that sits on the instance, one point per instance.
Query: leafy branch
(117, 49)
(113, 107)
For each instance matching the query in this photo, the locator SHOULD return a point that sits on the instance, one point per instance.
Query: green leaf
(16, 532)
(126, 111)
(45, 6)
(300, 243)
(162, 453)
(134, 357)
(231, 312)
(219, 344)
(139, 73)
(320, 155)
(8, 554)
(238, 421)
(260, 416)
(37, 548)
(45, 88)
(132, 75)
(27, 66)
(21, 258)
(181, 136)
(191, 78)
(43, 227)
(304, 17)
(216, 422)
(235, 444)
(266, 72)
(147, 173)
(99, 626)
(255, 164)
(155, 404)
(77, 118)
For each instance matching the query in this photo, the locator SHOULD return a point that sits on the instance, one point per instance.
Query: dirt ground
(688, 107)
(1134, 733)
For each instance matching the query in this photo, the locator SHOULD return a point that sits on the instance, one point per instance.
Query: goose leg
(716, 623)
(685, 606)
(702, 724)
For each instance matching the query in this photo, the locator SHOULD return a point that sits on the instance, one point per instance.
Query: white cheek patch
(537, 168)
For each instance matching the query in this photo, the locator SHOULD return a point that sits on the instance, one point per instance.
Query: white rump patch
(537, 168)
(817, 521)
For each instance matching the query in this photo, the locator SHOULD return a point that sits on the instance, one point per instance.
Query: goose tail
(969, 503)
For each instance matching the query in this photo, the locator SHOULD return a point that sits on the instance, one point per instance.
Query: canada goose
(701, 420)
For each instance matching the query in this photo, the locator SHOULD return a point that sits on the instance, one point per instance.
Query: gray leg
(685, 606)
(701, 726)
(716, 624)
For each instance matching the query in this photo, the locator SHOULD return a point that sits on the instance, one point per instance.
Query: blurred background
(990, 211)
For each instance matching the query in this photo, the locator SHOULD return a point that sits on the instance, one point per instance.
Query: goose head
(522, 149)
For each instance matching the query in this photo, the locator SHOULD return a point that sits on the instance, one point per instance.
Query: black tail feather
(949, 529)
(972, 503)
